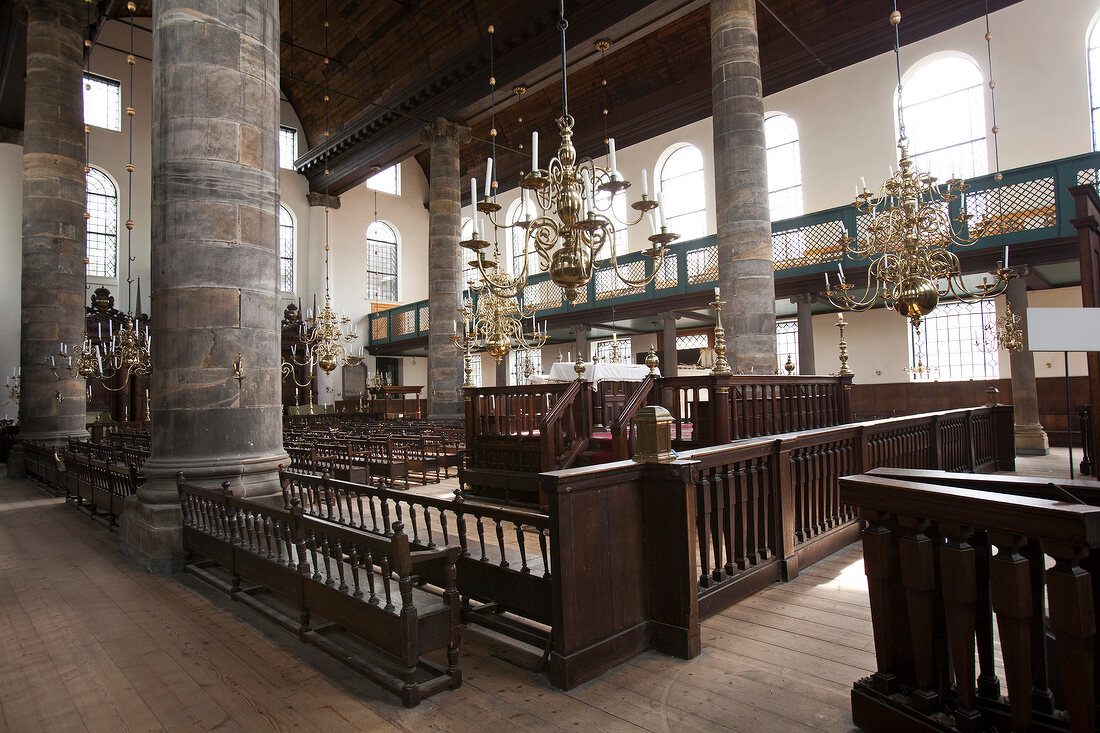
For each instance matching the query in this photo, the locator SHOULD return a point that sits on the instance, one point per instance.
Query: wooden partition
(643, 551)
(951, 563)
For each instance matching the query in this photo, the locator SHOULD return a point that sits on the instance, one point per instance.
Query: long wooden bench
(350, 592)
(98, 486)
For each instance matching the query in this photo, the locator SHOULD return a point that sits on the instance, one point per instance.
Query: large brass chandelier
(570, 231)
(909, 236)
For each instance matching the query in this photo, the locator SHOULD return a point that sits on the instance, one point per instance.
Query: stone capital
(579, 328)
(317, 198)
(444, 128)
(804, 298)
(669, 315)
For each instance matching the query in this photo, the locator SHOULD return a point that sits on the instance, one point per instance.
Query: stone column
(806, 362)
(580, 330)
(1031, 439)
(741, 188)
(54, 229)
(502, 372)
(670, 367)
(445, 375)
(214, 243)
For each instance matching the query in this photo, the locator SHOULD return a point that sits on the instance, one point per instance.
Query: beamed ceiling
(395, 65)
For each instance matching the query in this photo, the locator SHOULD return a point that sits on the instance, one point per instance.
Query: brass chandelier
(569, 232)
(496, 325)
(909, 236)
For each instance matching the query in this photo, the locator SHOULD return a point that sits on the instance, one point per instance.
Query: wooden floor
(90, 643)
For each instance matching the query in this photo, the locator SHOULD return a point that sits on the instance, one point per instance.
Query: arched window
(945, 118)
(469, 272)
(102, 224)
(684, 191)
(381, 262)
(616, 214)
(517, 235)
(286, 250)
(1094, 82)
(784, 167)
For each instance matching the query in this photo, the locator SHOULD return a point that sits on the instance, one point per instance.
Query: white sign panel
(1063, 329)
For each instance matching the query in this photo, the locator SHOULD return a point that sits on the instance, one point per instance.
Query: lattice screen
(404, 323)
(666, 275)
(542, 295)
(1087, 176)
(608, 285)
(424, 317)
(1017, 207)
(702, 265)
(807, 245)
(379, 329)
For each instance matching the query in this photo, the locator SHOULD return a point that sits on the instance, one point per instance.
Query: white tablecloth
(595, 373)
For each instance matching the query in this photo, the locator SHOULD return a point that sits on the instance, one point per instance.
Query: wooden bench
(99, 486)
(320, 580)
(383, 458)
(337, 460)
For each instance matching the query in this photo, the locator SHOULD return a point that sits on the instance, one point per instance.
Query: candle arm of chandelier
(288, 371)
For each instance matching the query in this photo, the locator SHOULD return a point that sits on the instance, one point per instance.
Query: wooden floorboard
(92, 643)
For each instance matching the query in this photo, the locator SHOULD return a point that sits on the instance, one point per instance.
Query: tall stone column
(214, 261)
(54, 229)
(741, 187)
(670, 367)
(445, 375)
(502, 372)
(1031, 439)
(806, 362)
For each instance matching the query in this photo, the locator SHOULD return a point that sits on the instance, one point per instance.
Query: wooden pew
(328, 580)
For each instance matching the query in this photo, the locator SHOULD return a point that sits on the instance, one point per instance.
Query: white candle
(661, 209)
(473, 202)
(827, 281)
(534, 150)
(52, 362)
(857, 191)
(525, 207)
(586, 188)
(840, 267)
(611, 152)
(1006, 257)
(454, 326)
(488, 177)
(962, 201)
(645, 184)
(862, 183)
(717, 294)
(652, 222)
(111, 329)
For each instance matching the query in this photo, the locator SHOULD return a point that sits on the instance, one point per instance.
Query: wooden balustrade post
(845, 398)
(721, 417)
(969, 433)
(958, 569)
(1073, 620)
(1012, 602)
(1004, 442)
(935, 445)
(916, 552)
(672, 588)
(785, 511)
(878, 563)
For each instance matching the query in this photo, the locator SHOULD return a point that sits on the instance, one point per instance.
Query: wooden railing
(505, 558)
(624, 432)
(514, 433)
(947, 556)
(696, 534)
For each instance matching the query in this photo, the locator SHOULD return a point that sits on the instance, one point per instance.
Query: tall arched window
(684, 190)
(1094, 82)
(469, 272)
(381, 262)
(784, 167)
(102, 224)
(286, 250)
(944, 113)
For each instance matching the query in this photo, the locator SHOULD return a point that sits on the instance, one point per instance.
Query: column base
(1031, 440)
(151, 536)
